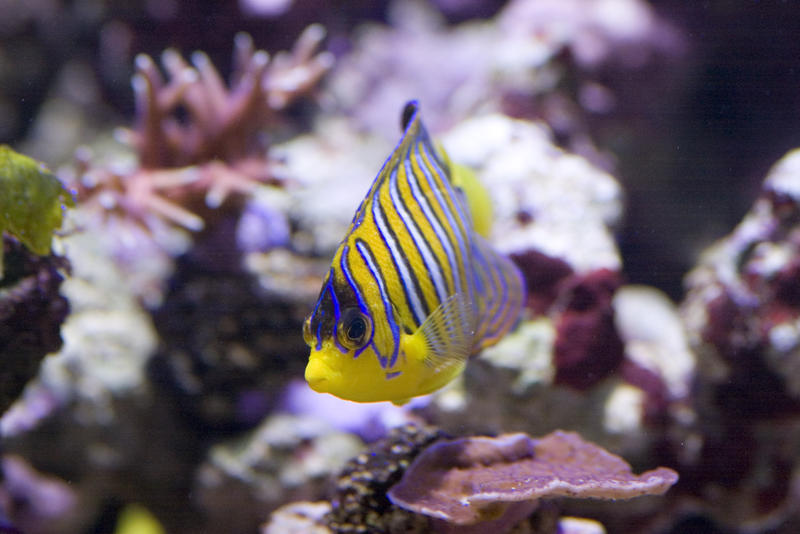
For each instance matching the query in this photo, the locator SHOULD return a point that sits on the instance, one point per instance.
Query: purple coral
(470, 480)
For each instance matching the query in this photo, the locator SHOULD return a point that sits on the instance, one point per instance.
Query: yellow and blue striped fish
(413, 289)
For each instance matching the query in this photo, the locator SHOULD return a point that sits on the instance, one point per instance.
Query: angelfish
(414, 288)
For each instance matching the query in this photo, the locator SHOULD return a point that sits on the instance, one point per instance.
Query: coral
(504, 477)
(528, 352)
(31, 313)
(168, 323)
(189, 128)
(605, 54)
(119, 438)
(108, 337)
(89, 416)
(370, 421)
(263, 225)
(471, 480)
(32, 202)
(329, 170)
(360, 504)
(217, 150)
(223, 123)
(543, 274)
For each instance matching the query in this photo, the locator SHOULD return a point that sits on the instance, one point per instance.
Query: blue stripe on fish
(357, 292)
(432, 268)
(366, 254)
(400, 261)
(436, 225)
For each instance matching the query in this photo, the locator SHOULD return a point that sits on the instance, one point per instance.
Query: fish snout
(317, 374)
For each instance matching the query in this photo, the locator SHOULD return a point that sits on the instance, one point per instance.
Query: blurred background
(690, 134)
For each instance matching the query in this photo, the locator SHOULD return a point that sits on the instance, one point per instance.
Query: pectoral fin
(445, 338)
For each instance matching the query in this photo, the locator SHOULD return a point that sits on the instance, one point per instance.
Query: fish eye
(307, 336)
(354, 329)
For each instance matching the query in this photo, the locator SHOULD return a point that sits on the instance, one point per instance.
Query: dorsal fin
(413, 131)
(409, 111)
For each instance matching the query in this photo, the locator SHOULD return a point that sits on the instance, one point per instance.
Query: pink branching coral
(217, 149)
(471, 480)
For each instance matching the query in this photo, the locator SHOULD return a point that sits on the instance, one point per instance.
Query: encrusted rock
(545, 199)
(659, 361)
(224, 355)
(31, 313)
(741, 313)
(360, 504)
(743, 304)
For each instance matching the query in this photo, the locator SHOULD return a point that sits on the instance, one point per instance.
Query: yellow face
(342, 360)
(343, 340)
(358, 379)
(355, 360)
(363, 379)
(345, 363)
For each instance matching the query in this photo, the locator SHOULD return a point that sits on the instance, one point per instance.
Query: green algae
(32, 202)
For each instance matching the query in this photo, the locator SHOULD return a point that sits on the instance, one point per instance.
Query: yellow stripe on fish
(414, 289)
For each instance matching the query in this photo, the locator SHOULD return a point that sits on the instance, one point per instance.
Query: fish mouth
(317, 374)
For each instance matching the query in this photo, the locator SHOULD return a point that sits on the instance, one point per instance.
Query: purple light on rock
(261, 228)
